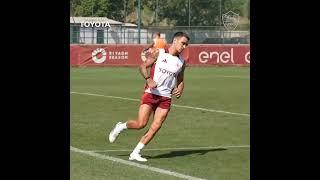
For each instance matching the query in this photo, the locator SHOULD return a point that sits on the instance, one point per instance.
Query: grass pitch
(205, 144)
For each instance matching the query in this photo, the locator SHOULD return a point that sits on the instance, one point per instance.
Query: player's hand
(151, 83)
(177, 92)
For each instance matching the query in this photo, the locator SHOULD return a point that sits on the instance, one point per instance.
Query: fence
(123, 35)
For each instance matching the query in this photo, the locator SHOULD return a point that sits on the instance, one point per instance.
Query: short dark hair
(181, 34)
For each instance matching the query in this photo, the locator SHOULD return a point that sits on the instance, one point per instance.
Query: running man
(166, 78)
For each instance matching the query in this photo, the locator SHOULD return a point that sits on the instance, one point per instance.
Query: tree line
(163, 12)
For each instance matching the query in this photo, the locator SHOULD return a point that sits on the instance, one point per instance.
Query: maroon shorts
(156, 101)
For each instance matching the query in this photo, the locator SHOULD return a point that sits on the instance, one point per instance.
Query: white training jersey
(164, 72)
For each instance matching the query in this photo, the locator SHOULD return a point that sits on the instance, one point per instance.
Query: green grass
(218, 88)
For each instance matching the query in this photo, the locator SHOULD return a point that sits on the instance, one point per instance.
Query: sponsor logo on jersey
(164, 71)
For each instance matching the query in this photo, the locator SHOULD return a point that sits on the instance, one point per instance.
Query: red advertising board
(129, 55)
(105, 55)
(218, 54)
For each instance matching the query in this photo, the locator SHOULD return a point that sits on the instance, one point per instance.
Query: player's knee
(141, 125)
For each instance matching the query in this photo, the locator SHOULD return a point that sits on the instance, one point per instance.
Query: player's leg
(145, 111)
(159, 117)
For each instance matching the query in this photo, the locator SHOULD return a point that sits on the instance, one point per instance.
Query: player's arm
(143, 68)
(180, 82)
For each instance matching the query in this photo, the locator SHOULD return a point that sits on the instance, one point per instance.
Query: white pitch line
(211, 110)
(182, 148)
(189, 107)
(150, 168)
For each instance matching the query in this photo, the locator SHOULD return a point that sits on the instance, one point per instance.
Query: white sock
(123, 126)
(138, 148)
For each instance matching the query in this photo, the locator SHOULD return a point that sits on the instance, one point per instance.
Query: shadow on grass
(180, 153)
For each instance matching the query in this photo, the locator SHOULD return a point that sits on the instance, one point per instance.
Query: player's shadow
(181, 153)
(185, 153)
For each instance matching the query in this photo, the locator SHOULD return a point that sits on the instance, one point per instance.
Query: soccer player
(158, 42)
(166, 78)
